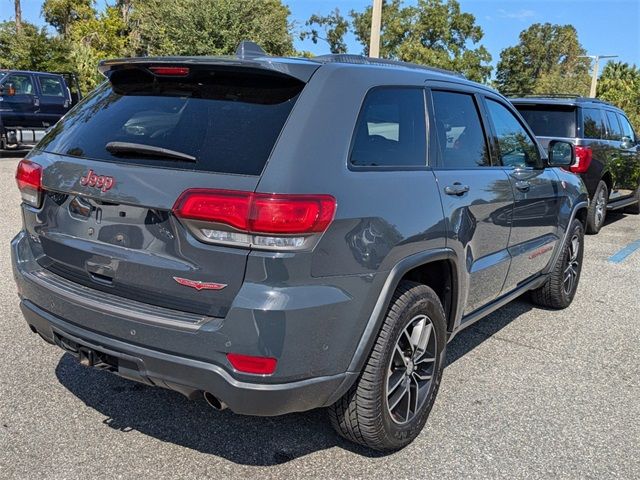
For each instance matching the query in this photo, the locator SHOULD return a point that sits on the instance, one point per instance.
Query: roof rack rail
(577, 98)
(362, 60)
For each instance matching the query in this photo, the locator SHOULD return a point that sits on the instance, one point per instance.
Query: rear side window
(227, 120)
(51, 86)
(613, 127)
(517, 149)
(627, 130)
(593, 123)
(391, 129)
(545, 121)
(461, 139)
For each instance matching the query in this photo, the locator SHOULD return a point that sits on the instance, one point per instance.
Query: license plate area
(90, 356)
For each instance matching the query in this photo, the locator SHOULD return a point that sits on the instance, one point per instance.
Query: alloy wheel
(411, 369)
(573, 265)
(601, 206)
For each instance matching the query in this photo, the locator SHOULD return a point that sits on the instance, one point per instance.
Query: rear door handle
(456, 189)
(523, 185)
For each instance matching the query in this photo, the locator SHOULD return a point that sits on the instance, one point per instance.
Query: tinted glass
(51, 86)
(461, 138)
(391, 129)
(21, 83)
(593, 123)
(615, 132)
(517, 149)
(548, 121)
(627, 130)
(228, 120)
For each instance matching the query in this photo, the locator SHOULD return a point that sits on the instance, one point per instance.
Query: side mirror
(561, 153)
(626, 142)
(8, 89)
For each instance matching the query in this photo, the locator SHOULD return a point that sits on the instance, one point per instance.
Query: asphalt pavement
(527, 393)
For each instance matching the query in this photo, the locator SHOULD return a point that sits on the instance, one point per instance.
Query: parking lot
(526, 393)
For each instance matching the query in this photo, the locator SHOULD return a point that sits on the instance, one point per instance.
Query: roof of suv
(563, 100)
(298, 67)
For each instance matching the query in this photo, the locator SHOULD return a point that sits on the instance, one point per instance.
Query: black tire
(363, 415)
(596, 216)
(555, 293)
(635, 208)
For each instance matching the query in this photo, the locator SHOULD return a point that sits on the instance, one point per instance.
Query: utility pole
(594, 76)
(18, 11)
(376, 23)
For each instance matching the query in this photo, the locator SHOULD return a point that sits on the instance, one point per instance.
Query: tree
(432, 32)
(620, 85)
(334, 25)
(31, 49)
(546, 60)
(61, 14)
(209, 27)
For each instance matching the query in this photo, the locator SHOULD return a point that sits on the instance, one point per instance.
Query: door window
(627, 130)
(391, 129)
(21, 83)
(615, 132)
(517, 148)
(51, 86)
(461, 139)
(593, 123)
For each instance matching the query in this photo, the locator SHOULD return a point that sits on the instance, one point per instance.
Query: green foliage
(620, 85)
(31, 49)
(61, 14)
(334, 25)
(209, 27)
(546, 60)
(432, 32)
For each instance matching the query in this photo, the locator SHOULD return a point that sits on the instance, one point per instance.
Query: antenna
(248, 49)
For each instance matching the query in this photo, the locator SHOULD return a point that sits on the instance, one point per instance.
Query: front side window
(461, 139)
(517, 149)
(627, 130)
(593, 123)
(21, 83)
(51, 86)
(391, 129)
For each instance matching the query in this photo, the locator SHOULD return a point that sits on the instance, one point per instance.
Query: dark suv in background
(607, 148)
(284, 234)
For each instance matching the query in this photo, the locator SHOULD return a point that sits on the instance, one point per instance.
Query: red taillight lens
(170, 71)
(261, 213)
(291, 214)
(222, 206)
(583, 160)
(29, 179)
(251, 364)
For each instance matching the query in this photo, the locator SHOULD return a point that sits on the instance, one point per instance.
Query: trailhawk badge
(198, 285)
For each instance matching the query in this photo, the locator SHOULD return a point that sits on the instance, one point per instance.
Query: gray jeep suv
(284, 234)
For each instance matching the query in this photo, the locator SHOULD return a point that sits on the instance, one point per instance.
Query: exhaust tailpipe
(214, 401)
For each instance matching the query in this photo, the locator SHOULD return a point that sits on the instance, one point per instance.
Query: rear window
(550, 122)
(226, 120)
(593, 122)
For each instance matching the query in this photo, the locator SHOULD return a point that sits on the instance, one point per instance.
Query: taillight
(263, 220)
(583, 160)
(29, 179)
(252, 364)
(170, 71)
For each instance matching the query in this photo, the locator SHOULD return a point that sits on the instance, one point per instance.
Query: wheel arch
(424, 267)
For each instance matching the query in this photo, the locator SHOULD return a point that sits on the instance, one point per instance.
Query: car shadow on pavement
(256, 441)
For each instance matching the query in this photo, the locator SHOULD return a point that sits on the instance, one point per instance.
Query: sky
(605, 27)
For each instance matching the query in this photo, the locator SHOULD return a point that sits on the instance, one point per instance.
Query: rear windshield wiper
(139, 148)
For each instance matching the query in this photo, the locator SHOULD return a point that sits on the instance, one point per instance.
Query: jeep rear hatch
(115, 166)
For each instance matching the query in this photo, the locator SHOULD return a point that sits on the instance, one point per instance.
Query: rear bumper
(186, 358)
(17, 137)
(187, 376)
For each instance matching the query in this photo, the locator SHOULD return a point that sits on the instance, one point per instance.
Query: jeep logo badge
(101, 182)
